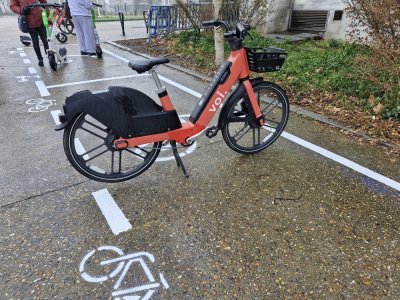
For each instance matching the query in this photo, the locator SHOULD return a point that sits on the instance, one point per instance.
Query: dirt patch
(381, 131)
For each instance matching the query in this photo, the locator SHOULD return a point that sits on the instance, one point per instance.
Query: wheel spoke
(240, 132)
(264, 110)
(92, 133)
(96, 126)
(142, 149)
(134, 153)
(97, 155)
(94, 149)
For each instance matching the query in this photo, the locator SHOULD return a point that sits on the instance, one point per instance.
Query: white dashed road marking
(113, 214)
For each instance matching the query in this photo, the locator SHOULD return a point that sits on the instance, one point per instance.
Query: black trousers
(35, 33)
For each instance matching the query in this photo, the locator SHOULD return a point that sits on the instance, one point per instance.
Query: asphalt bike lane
(238, 227)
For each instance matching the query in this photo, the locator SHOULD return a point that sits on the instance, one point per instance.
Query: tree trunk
(218, 35)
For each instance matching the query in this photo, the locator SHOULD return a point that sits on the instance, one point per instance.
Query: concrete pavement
(286, 223)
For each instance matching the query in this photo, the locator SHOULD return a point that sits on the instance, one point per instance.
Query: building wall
(318, 5)
(334, 29)
(278, 20)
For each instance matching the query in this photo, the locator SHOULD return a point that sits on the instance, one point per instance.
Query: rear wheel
(242, 133)
(88, 145)
(52, 61)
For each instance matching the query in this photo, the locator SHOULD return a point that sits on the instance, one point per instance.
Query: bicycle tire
(52, 61)
(67, 27)
(61, 37)
(77, 139)
(99, 52)
(238, 122)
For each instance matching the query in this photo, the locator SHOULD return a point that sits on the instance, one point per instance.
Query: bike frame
(238, 70)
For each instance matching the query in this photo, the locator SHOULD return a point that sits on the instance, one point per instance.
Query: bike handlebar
(56, 5)
(216, 23)
(241, 29)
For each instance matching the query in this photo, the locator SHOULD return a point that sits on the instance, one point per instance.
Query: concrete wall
(278, 20)
(334, 29)
(318, 5)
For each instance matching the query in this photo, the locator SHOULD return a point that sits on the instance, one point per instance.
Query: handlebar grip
(210, 23)
(98, 5)
(55, 5)
(216, 23)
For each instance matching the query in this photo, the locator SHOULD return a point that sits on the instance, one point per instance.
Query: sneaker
(40, 63)
(84, 53)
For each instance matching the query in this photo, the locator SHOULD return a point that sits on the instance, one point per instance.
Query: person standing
(82, 15)
(34, 22)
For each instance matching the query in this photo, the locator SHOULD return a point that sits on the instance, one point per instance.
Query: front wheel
(88, 145)
(52, 61)
(240, 131)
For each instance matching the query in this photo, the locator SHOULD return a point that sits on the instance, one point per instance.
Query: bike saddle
(144, 65)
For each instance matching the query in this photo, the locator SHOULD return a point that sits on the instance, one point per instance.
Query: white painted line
(32, 70)
(343, 161)
(27, 61)
(42, 88)
(22, 54)
(113, 214)
(135, 289)
(180, 86)
(163, 281)
(55, 114)
(115, 55)
(95, 80)
(19, 49)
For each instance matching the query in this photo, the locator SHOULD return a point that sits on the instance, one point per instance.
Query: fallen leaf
(378, 109)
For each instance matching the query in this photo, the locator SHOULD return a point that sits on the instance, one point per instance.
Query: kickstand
(178, 158)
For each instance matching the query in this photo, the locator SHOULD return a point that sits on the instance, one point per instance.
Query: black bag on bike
(127, 112)
(22, 24)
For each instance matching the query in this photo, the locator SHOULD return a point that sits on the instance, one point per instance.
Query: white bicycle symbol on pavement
(121, 265)
(40, 104)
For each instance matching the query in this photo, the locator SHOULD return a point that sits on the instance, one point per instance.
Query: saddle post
(162, 92)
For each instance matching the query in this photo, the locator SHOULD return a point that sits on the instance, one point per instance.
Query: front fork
(254, 103)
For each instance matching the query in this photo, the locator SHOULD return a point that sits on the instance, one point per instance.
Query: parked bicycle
(116, 135)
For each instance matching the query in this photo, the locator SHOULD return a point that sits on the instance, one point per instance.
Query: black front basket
(265, 59)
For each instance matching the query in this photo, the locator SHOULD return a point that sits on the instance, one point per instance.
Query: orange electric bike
(116, 135)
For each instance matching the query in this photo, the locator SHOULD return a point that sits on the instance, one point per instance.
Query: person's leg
(35, 43)
(88, 32)
(43, 36)
(79, 33)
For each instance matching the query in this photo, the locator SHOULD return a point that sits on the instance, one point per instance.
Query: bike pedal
(211, 132)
